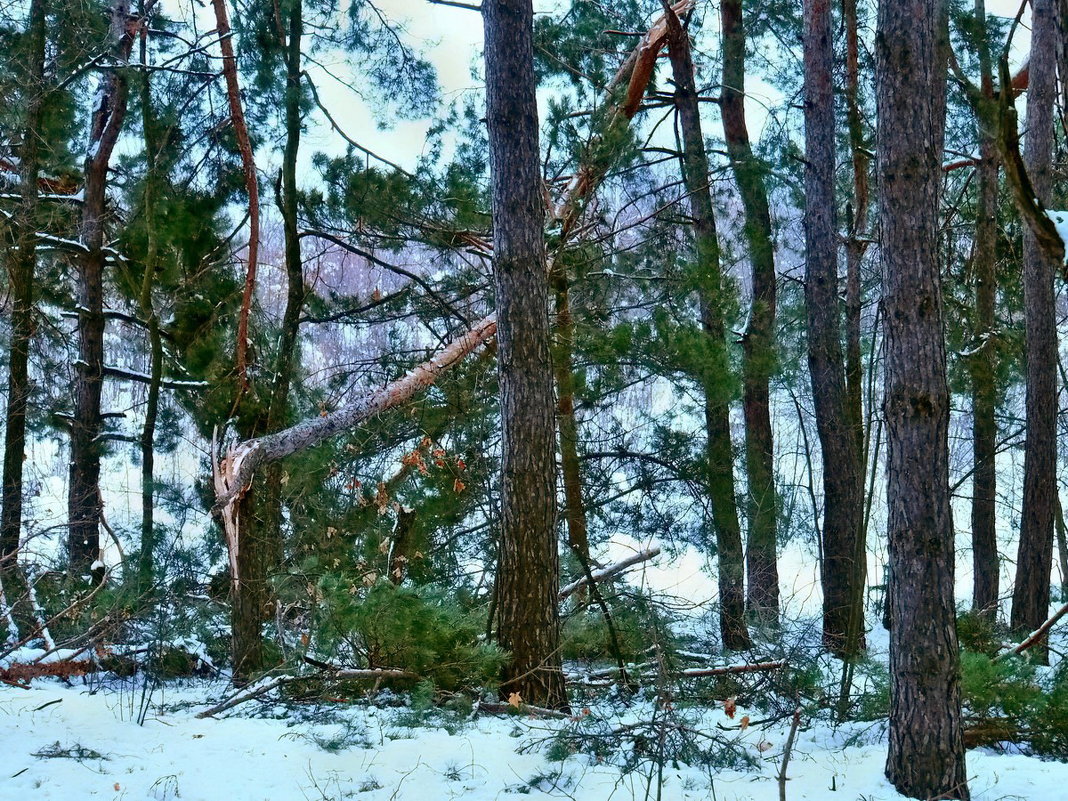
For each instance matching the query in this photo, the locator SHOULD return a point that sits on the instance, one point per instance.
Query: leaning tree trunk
(983, 362)
(248, 163)
(758, 340)
(22, 264)
(83, 495)
(843, 474)
(926, 754)
(527, 606)
(720, 453)
(1031, 594)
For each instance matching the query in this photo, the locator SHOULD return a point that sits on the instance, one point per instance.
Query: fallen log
(610, 572)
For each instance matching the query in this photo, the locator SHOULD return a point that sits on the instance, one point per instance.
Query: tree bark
(570, 464)
(926, 754)
(527, 608)
(22, 264)
(983, 363)
(758, 340)
(248, 162)
(83, 496)
(1031, 594)
(720, 451)
(842, 569)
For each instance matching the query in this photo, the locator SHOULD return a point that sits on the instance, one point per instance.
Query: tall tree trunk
(720, 453)
(983, 364)
(758, 340)
(288, 341)
(857, 211)
(248, 162)
(22, 264)
(146, 564)
(527, 606)
(926, 754)
(260, 548)
(843, 473)
(83, 498)
(570, 464)
(1031, 594)
(856, 247)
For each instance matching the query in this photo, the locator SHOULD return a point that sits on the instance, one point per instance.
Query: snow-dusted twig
(1036, 636)
(611, 571)
(246, 694)
(522, 709)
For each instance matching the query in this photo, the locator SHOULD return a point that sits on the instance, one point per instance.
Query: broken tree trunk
(233, 472)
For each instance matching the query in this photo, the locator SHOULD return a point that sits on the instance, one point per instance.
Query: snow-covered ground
(82, 742)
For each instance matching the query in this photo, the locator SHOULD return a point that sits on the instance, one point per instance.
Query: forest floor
(83, 740)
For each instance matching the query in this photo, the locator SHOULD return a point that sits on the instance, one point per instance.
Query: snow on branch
(611, 571)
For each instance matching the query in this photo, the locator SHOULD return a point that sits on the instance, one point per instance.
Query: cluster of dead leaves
(21, 674)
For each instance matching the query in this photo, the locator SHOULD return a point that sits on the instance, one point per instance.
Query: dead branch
(1036, 636)
(786, 753)
(233, 473)
(759, 667)
(610, 572)
(522, 709)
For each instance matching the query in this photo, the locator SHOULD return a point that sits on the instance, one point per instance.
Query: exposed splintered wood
(624, 94)
(611, 571)
(233, 472)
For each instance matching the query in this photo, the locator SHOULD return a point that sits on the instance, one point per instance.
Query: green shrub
(423, 630)
(978, 633)
(1005, 688)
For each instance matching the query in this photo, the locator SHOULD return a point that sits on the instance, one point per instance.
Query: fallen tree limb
(1036, 636)
(760, 667)
(609, 572)
(522, 709)
(247, 694)
(690, 673)
(233, 473)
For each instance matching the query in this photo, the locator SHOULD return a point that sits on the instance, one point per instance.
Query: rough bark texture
(527, 609)
(83, 495)
(22, 264)
(926, 754)
(857, 212)
(570, 464)
(720, 451)
(1031, 594)
(843, 473)
(758, 340)
(983, 364)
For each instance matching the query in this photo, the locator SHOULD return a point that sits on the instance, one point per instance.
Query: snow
(83, 741)
(1060, 219)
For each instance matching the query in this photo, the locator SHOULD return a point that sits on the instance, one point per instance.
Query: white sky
(452, 39)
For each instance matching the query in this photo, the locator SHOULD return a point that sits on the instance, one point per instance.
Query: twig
(610, 571)
(786, 753)
(1036, 636)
